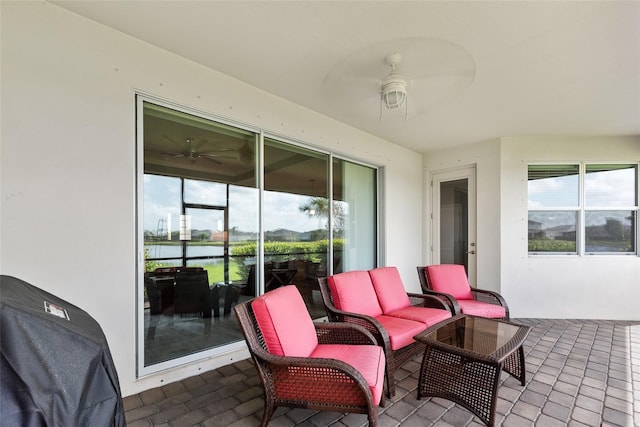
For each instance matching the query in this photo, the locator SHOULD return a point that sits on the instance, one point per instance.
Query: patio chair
(191, 293)
(302, 364)
(378, 301)
(449, 282)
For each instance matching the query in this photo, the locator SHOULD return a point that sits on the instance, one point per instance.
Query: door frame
(445, 175)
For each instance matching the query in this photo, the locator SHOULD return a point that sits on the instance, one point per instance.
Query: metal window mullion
(330, 262)
(581, 236)
(260, 249)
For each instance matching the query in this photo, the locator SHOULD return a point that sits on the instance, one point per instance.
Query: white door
(454, 219)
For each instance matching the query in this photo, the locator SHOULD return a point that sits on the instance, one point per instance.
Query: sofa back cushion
(353, 291)
(285, 323)
(389, 289)
(450, 279)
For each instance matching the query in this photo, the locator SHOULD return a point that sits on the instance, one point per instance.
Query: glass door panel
(354, 216)
(296, 220)
(454, 232)
(200, 199)
(454, 224)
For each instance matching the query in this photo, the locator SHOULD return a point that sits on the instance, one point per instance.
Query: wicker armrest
(367, 322)
(343, 333)
(427, 300)
(449, 302)
(490, 297)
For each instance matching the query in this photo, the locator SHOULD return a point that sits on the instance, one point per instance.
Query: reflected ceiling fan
(192, 150)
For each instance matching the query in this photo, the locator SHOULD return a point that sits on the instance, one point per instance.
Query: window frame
(582, 209)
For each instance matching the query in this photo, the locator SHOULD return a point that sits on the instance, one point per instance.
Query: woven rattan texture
(470, 378)
(481, 295)
(395, 358)
(459, 379)
(313, 383)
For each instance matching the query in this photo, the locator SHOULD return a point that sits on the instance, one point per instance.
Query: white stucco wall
(567, 287)
(67, 163)
(485, 156)
(591, 286)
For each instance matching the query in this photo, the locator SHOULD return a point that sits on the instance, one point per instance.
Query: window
(210, 204)
(583, 208)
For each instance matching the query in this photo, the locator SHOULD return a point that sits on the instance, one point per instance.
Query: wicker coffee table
(463, 359)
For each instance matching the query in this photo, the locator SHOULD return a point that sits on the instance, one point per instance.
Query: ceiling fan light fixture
(394, 92)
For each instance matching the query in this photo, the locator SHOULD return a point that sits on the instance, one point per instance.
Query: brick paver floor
(579, 373)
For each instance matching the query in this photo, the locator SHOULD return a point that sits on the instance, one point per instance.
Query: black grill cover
(55, 364)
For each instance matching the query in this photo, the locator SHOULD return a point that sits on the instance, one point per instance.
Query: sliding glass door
(226, 214)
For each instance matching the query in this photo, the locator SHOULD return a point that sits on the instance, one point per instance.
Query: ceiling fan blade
(177, 144)
(218, 162)
(218, 150)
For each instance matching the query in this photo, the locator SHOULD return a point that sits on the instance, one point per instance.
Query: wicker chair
(449, 282)
(397, 356)
(323, 380)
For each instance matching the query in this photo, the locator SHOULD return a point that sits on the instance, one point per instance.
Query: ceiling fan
(410, 74)
(193, 150)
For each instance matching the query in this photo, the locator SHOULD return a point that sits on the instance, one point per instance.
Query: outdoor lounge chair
(449, 281)
(302, 364)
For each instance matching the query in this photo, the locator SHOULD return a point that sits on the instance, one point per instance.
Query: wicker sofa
(377, 300)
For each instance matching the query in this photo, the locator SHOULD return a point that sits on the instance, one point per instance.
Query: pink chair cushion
(285, 322)
(401, 331)
(367, 359)
(482, 309)
(426, 315)
(389, 288)
(450, 279)
(353, 291)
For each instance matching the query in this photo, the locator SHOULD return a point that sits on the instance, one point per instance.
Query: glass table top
(476, 334)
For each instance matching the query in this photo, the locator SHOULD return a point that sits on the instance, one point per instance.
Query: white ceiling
(531, 68)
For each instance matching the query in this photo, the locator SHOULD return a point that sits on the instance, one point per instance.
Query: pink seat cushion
(401, 331)
(450, 279)
(482, 309)
(285, 322)
(367, 359)
(426, 315)
(353, 291)
(389, 288)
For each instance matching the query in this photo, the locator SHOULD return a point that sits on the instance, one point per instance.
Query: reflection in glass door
(208, 246)
(296, 220)
(245, 214)
(200, 198)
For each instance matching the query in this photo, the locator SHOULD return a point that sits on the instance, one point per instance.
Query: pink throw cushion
(353, 291)
(367, 359)
(401, 331)
(450, 279)
(427, 315)
(389, 288)
(482, 309)
(285, 322)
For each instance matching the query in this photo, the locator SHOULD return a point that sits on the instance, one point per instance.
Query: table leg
(462, 380)
(514, 365)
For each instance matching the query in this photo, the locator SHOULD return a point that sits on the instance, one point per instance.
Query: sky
(611, 189)
(282, 210)
(602, 189)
